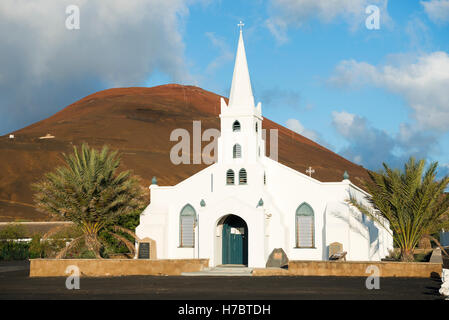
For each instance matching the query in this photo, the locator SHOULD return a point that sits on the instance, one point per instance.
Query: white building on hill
(239, 209)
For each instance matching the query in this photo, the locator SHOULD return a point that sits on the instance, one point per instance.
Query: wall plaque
(144, 250)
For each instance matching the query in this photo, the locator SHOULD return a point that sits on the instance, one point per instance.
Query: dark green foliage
(413, 202)
(89, 192)
(111, 244)
(12, 250)
(12, 231)
(422, 257)
(36, 248)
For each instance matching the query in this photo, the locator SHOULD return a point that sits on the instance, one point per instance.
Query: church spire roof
(241, 92)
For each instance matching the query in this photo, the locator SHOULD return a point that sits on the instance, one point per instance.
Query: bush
(11, 250)
(423, 257)
(12, 231)
(21, 250)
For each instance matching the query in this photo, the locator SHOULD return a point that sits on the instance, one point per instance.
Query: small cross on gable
(310, 171)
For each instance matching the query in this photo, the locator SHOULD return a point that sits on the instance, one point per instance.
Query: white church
(237, 210)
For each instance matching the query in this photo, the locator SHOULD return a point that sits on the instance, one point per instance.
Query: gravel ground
(15, 284)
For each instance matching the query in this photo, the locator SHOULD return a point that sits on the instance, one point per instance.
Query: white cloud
(120, 43)
(423, 84)
(371, 147)
(296, 13)
(295, 125)
(437, 10)
(343, 122)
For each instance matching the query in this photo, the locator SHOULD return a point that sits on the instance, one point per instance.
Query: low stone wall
(115, 267)
(354, 269)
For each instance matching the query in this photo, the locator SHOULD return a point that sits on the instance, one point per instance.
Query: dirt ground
(15, 284)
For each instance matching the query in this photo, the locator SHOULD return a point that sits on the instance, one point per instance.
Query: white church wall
(292, 189)
(359, 240)
(154, 224)
(337, 226)
(360, 235)
(277, 227)
(381, 239)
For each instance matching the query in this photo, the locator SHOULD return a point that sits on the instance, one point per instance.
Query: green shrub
(11, 250)
(34, 249)
(12, 231)
(423, 257)
(37, 248)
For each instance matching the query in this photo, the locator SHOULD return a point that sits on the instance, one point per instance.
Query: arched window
(242, 176)
(257, 127)
(305, 226)
(230, 177)
(237, 151)
(264, 178)
(187, 219)
(236, 126)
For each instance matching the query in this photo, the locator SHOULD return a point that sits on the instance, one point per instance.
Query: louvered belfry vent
(242, 177)
(230, 177)
(237, 151)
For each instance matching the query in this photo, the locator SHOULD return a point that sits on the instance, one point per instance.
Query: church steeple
(241, 140)
(241, 91)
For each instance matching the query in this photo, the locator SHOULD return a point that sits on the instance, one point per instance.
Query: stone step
(222, 272)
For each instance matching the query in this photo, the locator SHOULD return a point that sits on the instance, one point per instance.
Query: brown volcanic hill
(138, 122)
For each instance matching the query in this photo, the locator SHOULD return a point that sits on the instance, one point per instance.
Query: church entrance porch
(234, 240)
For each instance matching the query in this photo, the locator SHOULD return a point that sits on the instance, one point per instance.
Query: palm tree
(88, 191)
(413, 202)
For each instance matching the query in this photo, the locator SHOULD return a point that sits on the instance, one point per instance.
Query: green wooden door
(235, 241)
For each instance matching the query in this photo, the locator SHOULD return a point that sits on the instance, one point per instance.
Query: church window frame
(187, 224)
(305, 226)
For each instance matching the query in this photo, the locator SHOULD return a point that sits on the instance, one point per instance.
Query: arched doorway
(234, 244)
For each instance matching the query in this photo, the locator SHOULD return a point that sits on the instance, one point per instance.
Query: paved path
(15, 284)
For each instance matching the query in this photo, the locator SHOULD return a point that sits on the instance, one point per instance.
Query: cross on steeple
(240, 25)
(310, 171)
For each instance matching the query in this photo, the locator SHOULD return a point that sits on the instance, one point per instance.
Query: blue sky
(370, 95)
